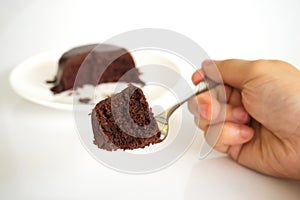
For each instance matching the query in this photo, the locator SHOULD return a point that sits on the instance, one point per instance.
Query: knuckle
(258, 67)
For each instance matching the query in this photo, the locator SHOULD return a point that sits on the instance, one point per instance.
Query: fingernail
(198, 76)
(239, 114)
(246, 133)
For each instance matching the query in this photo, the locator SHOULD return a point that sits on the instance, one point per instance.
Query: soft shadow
(16, 115)
(8, 169)
(222, 178)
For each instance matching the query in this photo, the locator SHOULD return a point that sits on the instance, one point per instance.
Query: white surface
(28, 79)
(40, 154)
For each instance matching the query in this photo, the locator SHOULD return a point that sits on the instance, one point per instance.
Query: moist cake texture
(124, 121)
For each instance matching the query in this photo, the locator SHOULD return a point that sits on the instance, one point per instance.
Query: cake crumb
(84, 100)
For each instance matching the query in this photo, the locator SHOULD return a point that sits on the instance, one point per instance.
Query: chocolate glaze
(84, 100)
(94, 64)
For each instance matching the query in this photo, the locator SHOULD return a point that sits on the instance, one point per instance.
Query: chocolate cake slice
(124, 121)
(97, 63)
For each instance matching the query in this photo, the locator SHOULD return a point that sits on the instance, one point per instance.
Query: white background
(40, 153)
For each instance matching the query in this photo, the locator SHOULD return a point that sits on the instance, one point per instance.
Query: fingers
(227, 137)
(211, 114)
(208, 107)
(198, 76)
(224, 136)
(210, 111)
(201, 123)
(227, 94)
(220, 114)
(235, 98)
(233, 72)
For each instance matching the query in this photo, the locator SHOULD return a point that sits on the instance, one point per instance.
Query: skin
(261, 129)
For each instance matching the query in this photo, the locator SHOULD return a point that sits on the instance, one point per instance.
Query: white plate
(165, 84)
(29, 78)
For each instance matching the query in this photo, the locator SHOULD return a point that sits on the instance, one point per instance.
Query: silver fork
(162, 119)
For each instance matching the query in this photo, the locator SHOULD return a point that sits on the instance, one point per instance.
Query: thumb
(232, 72)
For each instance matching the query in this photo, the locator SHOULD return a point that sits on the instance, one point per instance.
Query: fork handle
(203, 88)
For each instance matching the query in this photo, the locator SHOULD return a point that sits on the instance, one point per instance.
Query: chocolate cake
(96, 64)
(124, 121)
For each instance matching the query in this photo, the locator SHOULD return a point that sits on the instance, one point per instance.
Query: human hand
(262, 122)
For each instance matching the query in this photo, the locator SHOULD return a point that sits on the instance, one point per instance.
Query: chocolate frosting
(94, 64)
